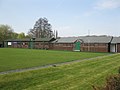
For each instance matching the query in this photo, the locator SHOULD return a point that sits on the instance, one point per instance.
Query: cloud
(102, 5)
(107, 4)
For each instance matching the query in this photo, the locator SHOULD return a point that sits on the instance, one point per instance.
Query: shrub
(112, 83)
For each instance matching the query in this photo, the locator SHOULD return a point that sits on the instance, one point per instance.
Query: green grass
(11, 58)
(75, 76)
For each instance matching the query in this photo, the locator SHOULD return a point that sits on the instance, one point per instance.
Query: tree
(14, 35)
(21, 35)
(41, 29)
(6, 32)
(27, 36)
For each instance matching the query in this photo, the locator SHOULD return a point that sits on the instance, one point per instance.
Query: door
(5, 44)
(77, 46)
(31, 45)
(113, 48)
(1, 44)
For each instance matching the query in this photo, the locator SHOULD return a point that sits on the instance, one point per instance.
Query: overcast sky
(69, 17)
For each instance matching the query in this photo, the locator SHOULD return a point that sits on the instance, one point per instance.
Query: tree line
(41, 29)
(6, 32)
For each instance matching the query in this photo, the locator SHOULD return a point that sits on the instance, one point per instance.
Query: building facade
(38, 43)
(115, 45)
(82, 43)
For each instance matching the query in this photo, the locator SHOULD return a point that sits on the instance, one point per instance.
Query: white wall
(113, 48)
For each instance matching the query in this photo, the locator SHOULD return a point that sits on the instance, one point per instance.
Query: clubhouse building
(82, 43)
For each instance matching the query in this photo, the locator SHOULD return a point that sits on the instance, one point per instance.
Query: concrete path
(51, 65)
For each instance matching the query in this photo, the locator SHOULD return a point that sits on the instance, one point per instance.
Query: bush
(112, 83)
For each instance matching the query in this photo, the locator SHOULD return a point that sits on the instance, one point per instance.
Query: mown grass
(75, 76)
(11, 58)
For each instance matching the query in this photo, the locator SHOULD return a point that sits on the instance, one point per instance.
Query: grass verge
(75, 76)
(11, 58)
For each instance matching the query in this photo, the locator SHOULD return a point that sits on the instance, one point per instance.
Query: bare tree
(41, 29)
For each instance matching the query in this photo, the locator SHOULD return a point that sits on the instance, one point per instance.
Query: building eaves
(115, 40)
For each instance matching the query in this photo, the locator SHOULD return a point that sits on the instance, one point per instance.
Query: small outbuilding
(17, 43)
(38, 43)
(115, 45)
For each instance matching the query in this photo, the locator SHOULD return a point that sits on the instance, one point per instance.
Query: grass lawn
(11, 58)
(75, 76)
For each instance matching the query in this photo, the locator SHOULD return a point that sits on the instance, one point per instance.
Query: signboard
(9, 43)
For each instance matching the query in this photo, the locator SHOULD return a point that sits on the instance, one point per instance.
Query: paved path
(51, 65)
